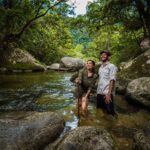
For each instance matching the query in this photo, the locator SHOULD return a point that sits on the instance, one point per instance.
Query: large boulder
(55, 66)
(29, 130)
(136, 68)
(70, 62)
(138, 91)
(22, 60)
(141, 138)
(85, 138)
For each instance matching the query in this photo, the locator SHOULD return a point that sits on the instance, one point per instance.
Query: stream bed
(53, 91)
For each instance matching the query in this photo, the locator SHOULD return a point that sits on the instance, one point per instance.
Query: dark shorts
(100, 103)
(80, 91)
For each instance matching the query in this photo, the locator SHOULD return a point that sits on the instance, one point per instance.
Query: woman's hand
(84, 98)
(78, 81)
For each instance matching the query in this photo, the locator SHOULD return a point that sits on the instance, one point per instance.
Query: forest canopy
(48, 28)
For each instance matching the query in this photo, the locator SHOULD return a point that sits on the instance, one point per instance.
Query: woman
(85, 82)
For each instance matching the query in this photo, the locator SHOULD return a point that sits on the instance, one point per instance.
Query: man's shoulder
(111, 65)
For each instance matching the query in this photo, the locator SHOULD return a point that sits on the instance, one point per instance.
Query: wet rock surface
(29, 130)
(142, 137)
(138, 91)
(84, 138)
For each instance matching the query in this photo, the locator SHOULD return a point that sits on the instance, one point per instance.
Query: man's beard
(105, 60)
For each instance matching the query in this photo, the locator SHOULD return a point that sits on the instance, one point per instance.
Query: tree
(133, 14)
(18, 15)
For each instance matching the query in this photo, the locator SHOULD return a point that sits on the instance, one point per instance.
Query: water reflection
(52, 91)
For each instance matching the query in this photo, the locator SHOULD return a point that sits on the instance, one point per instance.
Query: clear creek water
(53, 91)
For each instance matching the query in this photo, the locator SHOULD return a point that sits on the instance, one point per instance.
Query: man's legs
(101, 104)
(110, 107)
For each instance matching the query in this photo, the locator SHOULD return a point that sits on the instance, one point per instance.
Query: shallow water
(52, 91)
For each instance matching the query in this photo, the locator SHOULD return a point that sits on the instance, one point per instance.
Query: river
(53, 91)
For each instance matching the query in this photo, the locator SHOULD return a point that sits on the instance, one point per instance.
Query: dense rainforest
(50, 29)
(40, 106)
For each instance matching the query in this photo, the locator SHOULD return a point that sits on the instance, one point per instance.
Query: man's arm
(113, 72)
(111, 87)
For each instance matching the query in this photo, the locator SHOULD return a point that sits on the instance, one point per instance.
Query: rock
(138, 91)
(38, 67)
(145, 44)
(3, 70)
(136, 68)
(121, 86)
(20, 60)
(70, 62)
(121, 131)
(29, 130)
(85, 138)
(142, 137)
(125, 65)
(54, 66)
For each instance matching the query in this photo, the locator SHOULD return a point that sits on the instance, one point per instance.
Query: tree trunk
(144, 16)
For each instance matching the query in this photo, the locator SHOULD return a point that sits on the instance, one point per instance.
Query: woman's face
(89, 65)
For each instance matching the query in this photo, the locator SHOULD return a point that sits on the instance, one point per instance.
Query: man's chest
(104, 71)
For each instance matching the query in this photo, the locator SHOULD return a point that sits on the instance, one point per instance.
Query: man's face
(104, 57)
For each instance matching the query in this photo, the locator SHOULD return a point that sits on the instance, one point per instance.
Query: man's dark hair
(106, 52)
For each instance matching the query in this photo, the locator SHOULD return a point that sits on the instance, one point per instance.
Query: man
(106, 84)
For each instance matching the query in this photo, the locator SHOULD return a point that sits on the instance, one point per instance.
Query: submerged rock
(29, 130)
(85, 138)
(142, 137)
(138, 91)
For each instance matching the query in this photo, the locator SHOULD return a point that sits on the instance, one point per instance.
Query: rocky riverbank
(21, 61)
(134, 80)
(29, 130)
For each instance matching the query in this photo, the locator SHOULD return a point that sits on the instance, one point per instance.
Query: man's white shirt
(107, 72)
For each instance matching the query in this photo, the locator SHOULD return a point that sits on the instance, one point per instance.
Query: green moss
(40, 63)
(19, 66)
(139, 68)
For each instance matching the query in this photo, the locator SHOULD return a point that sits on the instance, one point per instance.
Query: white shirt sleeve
(113, 72)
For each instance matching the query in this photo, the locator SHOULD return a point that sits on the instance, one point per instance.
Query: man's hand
(78, 81)
(108, 98)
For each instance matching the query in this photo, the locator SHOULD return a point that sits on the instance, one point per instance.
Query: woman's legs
(84, 105)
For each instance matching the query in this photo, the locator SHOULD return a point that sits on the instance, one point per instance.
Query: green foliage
(48, 40)
(38, 26)
(43, 28)
(114, 25)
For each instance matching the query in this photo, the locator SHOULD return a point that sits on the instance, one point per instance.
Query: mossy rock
(20, 61)
(84, 138)
(141, 138)
(136, 68)
(139, 67)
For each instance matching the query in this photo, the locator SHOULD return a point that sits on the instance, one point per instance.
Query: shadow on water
(53, 91)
